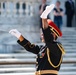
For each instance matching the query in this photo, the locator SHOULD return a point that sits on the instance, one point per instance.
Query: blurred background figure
(69, 6)
(41, 9)
(58, 14)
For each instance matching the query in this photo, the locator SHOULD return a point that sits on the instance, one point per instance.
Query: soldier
(49, 57)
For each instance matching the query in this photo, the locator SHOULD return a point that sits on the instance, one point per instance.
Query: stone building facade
(25, 8)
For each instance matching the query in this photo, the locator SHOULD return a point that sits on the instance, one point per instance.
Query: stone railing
(21, 7)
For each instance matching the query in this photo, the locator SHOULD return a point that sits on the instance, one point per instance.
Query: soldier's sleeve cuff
(23, 43)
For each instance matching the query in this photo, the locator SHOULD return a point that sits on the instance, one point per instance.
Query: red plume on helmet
(54, 28)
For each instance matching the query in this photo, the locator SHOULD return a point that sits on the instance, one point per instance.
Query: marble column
(20, 10)
(14, 10)
(27, 8)
(8, 5)
(31, 9)
(1, 8)
(24, 10)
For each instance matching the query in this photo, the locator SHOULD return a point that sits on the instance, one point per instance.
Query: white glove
(47, 11)
(15, 32)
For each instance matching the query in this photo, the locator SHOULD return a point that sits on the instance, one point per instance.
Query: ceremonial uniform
(49, 57)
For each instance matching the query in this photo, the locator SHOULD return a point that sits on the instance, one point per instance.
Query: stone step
(30, 55)
(70, 50)
(32, 73)
(33, 65)
(69, 55)
(68, 39)
(69, 34)
(68, 65)
(17, 66)
(27, 73)
(69, 47)
(68, 28)
(67, 50)
(18, 55)
(29, 60)
(69, 60)
(31, 69)
(67, 73)
(12, 60)
(68, 68)
(25, 69)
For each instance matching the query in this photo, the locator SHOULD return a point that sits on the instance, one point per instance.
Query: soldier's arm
(28, 46)
(47, 32)
(47, 35)
(25, 43)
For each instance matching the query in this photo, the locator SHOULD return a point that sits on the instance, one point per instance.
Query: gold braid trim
(52, 29)
(48, 55)
(54, 32)
(61, 48)
(26, 44)
(29, 44)
(40, 72)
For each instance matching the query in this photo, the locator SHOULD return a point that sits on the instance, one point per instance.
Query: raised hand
(47, 11)
(15, 33)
